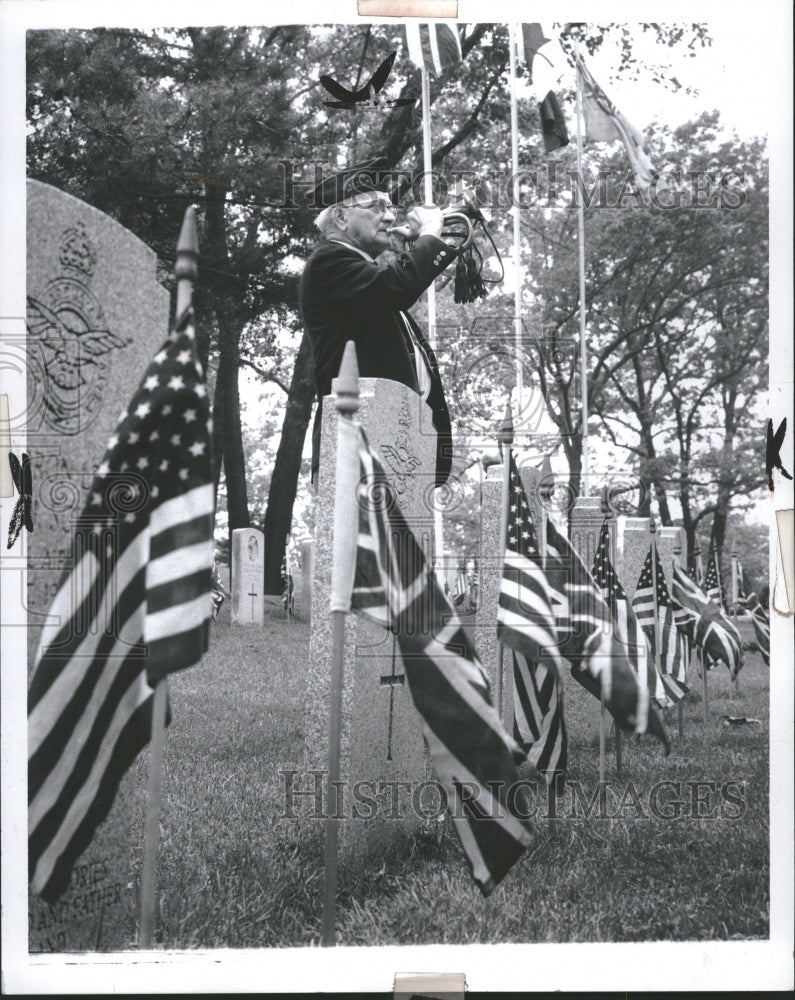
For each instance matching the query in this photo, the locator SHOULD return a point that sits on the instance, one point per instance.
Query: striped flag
(705, 623)
(461, 587)
(471, 753)
(713, 582)
(605, 123)
(433, 47)
(628, 632)
(659, 624)
(135, 606)
(527, 625)
(587, 639)
(747, 598)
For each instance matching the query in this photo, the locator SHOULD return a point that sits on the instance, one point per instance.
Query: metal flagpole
(427, 167)
(581, 241)
(343, 567)
(506, 440)
(185, 272)
(517, 230)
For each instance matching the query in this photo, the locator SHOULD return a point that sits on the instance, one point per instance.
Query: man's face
(367, 221)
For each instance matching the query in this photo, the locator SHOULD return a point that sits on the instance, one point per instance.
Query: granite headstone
(381, 735)
(96, 317)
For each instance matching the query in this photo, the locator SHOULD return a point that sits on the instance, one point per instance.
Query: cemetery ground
(233, 872)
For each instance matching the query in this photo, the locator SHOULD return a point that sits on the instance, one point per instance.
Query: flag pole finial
(185, 266)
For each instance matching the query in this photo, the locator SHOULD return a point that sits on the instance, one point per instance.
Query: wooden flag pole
(517, 229)
(505, 437)
(343, 567)
(185, 271)
(427, 167)
(152, 827)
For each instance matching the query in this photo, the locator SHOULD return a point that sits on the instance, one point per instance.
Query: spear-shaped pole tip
(506, 431)
(346, 384)
(187, 247)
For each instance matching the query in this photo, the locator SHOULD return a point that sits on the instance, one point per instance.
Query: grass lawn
(232, 873)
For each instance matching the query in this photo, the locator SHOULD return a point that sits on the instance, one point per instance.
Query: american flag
(134, 607)
(587, 639)
(671, 665)
(472, 754)
(433, 47)
(527, 625)
(746, 597)
(713, 583)
(628, 632)
(705, 623)
(461, 587)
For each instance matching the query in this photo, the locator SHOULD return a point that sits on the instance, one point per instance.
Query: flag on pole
(526, 624)
(671, 666)
(605, 123)
(713, 583)
(747, 599)
(433, 47)
(471, 753)
(528, 41)
(630, 635)
(135, 606)
(704, 623)
(553, 124)
(461, 587)
(587, 639)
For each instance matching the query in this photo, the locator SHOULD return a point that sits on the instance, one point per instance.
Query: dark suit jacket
(345, 297)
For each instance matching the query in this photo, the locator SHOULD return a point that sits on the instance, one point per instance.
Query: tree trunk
(286, 469)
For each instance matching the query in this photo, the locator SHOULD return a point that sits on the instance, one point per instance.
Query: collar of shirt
(350, 246)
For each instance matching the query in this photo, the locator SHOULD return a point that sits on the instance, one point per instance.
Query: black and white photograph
(396, 477)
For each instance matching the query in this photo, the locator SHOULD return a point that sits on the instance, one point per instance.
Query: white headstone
(248, 567)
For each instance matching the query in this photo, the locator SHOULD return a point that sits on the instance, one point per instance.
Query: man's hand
(429, 221)
(420, 221)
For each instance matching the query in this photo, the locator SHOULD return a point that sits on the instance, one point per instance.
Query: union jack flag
(704, 623)
(472, 754)
(587, 639)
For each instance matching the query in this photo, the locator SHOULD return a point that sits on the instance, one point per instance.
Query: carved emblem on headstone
(69, 333)
(399, 459)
